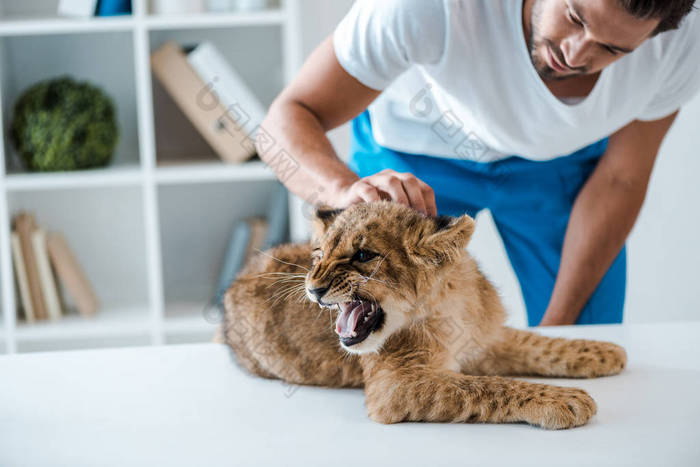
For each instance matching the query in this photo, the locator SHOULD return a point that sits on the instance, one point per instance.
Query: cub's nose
(318, 292)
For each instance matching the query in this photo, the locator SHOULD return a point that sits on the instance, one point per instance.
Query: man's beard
(545, 71)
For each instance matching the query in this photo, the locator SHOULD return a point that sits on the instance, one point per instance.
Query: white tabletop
(191, 405)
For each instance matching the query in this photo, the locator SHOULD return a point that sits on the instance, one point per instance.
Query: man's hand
(323, 96)
(404, 188)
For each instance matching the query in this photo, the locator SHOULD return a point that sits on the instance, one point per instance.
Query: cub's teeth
(354, 334)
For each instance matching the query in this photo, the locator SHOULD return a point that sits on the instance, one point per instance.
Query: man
(549, 113)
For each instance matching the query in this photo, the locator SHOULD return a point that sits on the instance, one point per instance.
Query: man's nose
(318, 292)
(574, 51)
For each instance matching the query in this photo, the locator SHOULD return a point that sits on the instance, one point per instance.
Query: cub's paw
(593, 359)
(559, 408)
(612, 359)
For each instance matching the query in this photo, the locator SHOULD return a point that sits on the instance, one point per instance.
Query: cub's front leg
(424, 395)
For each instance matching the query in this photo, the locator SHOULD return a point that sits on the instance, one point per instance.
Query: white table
(190, 405)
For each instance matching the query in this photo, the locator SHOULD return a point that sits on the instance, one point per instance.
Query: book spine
(234, 258)
(228, 85)
(277, 218)
(25, 225)
(194, 98)
(77, 8)
(48, 285)
(258, 228)
(71, 274)
(21, 275)
(113, 7)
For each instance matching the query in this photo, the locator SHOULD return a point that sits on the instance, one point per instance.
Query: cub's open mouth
(357, 319)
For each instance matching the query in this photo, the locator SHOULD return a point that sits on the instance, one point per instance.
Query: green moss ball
(62, 124)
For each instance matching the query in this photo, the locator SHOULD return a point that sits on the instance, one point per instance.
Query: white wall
(664, 249)
(663, 253)
(319, 18)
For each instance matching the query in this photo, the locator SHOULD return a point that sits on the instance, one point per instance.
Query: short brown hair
(670, 12)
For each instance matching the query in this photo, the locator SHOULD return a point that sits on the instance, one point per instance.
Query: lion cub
(388, 299)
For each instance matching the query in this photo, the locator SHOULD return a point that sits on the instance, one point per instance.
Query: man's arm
(323, 96)
(603, 215)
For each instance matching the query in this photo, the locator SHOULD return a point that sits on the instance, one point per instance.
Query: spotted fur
(442, 353)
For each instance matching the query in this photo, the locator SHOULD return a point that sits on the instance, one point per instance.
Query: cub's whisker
(281, 261)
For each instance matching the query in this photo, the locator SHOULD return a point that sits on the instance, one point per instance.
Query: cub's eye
(362, 256)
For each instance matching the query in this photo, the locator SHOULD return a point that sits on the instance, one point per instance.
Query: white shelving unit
(151, 229)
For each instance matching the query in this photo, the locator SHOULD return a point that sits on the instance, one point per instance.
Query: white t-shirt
(458, 80)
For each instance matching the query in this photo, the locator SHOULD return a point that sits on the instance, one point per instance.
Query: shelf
(116, 322)
(213, 20)
(196, 221)
(42, 26)
(262, 72)
(212, 172)
(104, 60)
(190, 318)
(149, 230)
(115, 176)
(104, 229)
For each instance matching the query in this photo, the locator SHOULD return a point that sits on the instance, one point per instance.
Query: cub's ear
(323, 218)
(444, 238)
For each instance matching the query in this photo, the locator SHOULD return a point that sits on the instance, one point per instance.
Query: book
(258, 227)
(77, 8)
(206, 113)
(220, 6)
(21, 276)
(24, 225)
(46, 278)
(228, 86)
(246, 238)
(113, 7)
(233, 258)
(251, 235)
(277, 218)
(250, 5)
(189, 145)
(71, 274)
(176, 7)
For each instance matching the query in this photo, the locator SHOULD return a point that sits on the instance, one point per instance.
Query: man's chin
(553, 76)
(548, 74)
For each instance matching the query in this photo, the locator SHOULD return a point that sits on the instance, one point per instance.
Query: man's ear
(323, 218)
(443, 239)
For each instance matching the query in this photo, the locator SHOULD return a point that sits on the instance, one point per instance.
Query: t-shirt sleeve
(682, 80)
(380, 39)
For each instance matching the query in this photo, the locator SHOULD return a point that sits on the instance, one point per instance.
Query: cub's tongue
(350, 313)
